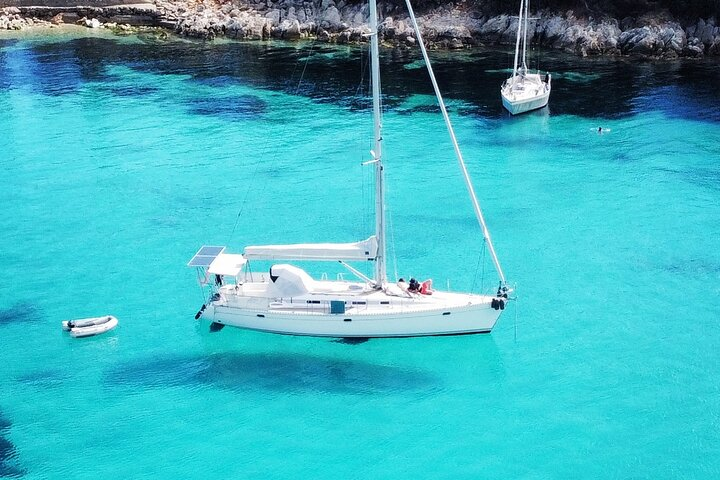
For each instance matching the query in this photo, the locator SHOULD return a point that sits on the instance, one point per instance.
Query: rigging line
(267, 143)
(202, 290)
(307, 60)
(391, 227)
(458, 154)
(480, 263)
(482, 278)
(516, 318)
(365, 198)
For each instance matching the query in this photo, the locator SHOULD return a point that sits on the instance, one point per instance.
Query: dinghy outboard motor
(199, 313)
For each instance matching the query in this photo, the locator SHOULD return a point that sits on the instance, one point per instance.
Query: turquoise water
(122, 156)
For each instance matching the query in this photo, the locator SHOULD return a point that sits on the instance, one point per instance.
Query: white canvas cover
(289, 281)
(364, 250)
(227, 264)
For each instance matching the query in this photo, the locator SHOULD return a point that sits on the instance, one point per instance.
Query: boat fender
(494, 303)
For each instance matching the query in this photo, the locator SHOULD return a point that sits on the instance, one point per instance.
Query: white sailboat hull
(366, 315)
(524, 94)
(292, 302)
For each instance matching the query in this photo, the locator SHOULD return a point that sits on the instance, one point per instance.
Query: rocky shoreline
(450, 27)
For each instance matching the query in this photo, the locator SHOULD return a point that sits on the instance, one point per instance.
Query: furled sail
(349, 252)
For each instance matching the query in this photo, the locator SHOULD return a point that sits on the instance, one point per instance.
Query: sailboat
(288, 300)
(524, 91)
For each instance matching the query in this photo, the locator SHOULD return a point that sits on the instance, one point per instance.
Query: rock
(168, 24)
(554, 28)
(714, 48)
(494, 28)
(706, 34)
(343, 37)
(331, 19)
(674, 38)
(458, 33)
(445, 25)
(695, 48)
(273, 17)
(290, 29)
(359, 19)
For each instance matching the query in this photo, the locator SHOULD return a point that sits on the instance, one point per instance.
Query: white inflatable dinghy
(90, 326)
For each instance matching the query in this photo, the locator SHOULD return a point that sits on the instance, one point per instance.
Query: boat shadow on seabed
(270, 371)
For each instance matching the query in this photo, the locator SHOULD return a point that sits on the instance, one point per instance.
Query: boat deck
(348, 298)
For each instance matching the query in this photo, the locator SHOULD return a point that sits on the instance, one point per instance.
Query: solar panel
(210, 250)
(205, 256)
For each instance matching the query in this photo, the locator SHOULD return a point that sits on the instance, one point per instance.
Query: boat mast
(517, 41)
(380, 268)
(458, 154)
(525, 26)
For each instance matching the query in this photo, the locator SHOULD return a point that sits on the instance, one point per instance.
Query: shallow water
(123, 155)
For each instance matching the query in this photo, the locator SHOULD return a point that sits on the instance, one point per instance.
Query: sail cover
(364, 250)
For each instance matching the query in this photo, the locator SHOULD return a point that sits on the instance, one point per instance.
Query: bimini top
(364, 250)
(217, 261)
(227, 264)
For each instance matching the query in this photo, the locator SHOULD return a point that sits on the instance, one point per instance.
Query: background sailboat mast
(517, 41)
(380, 269)
(525, 27)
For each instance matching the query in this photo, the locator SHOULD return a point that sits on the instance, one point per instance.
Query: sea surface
(121, 156)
